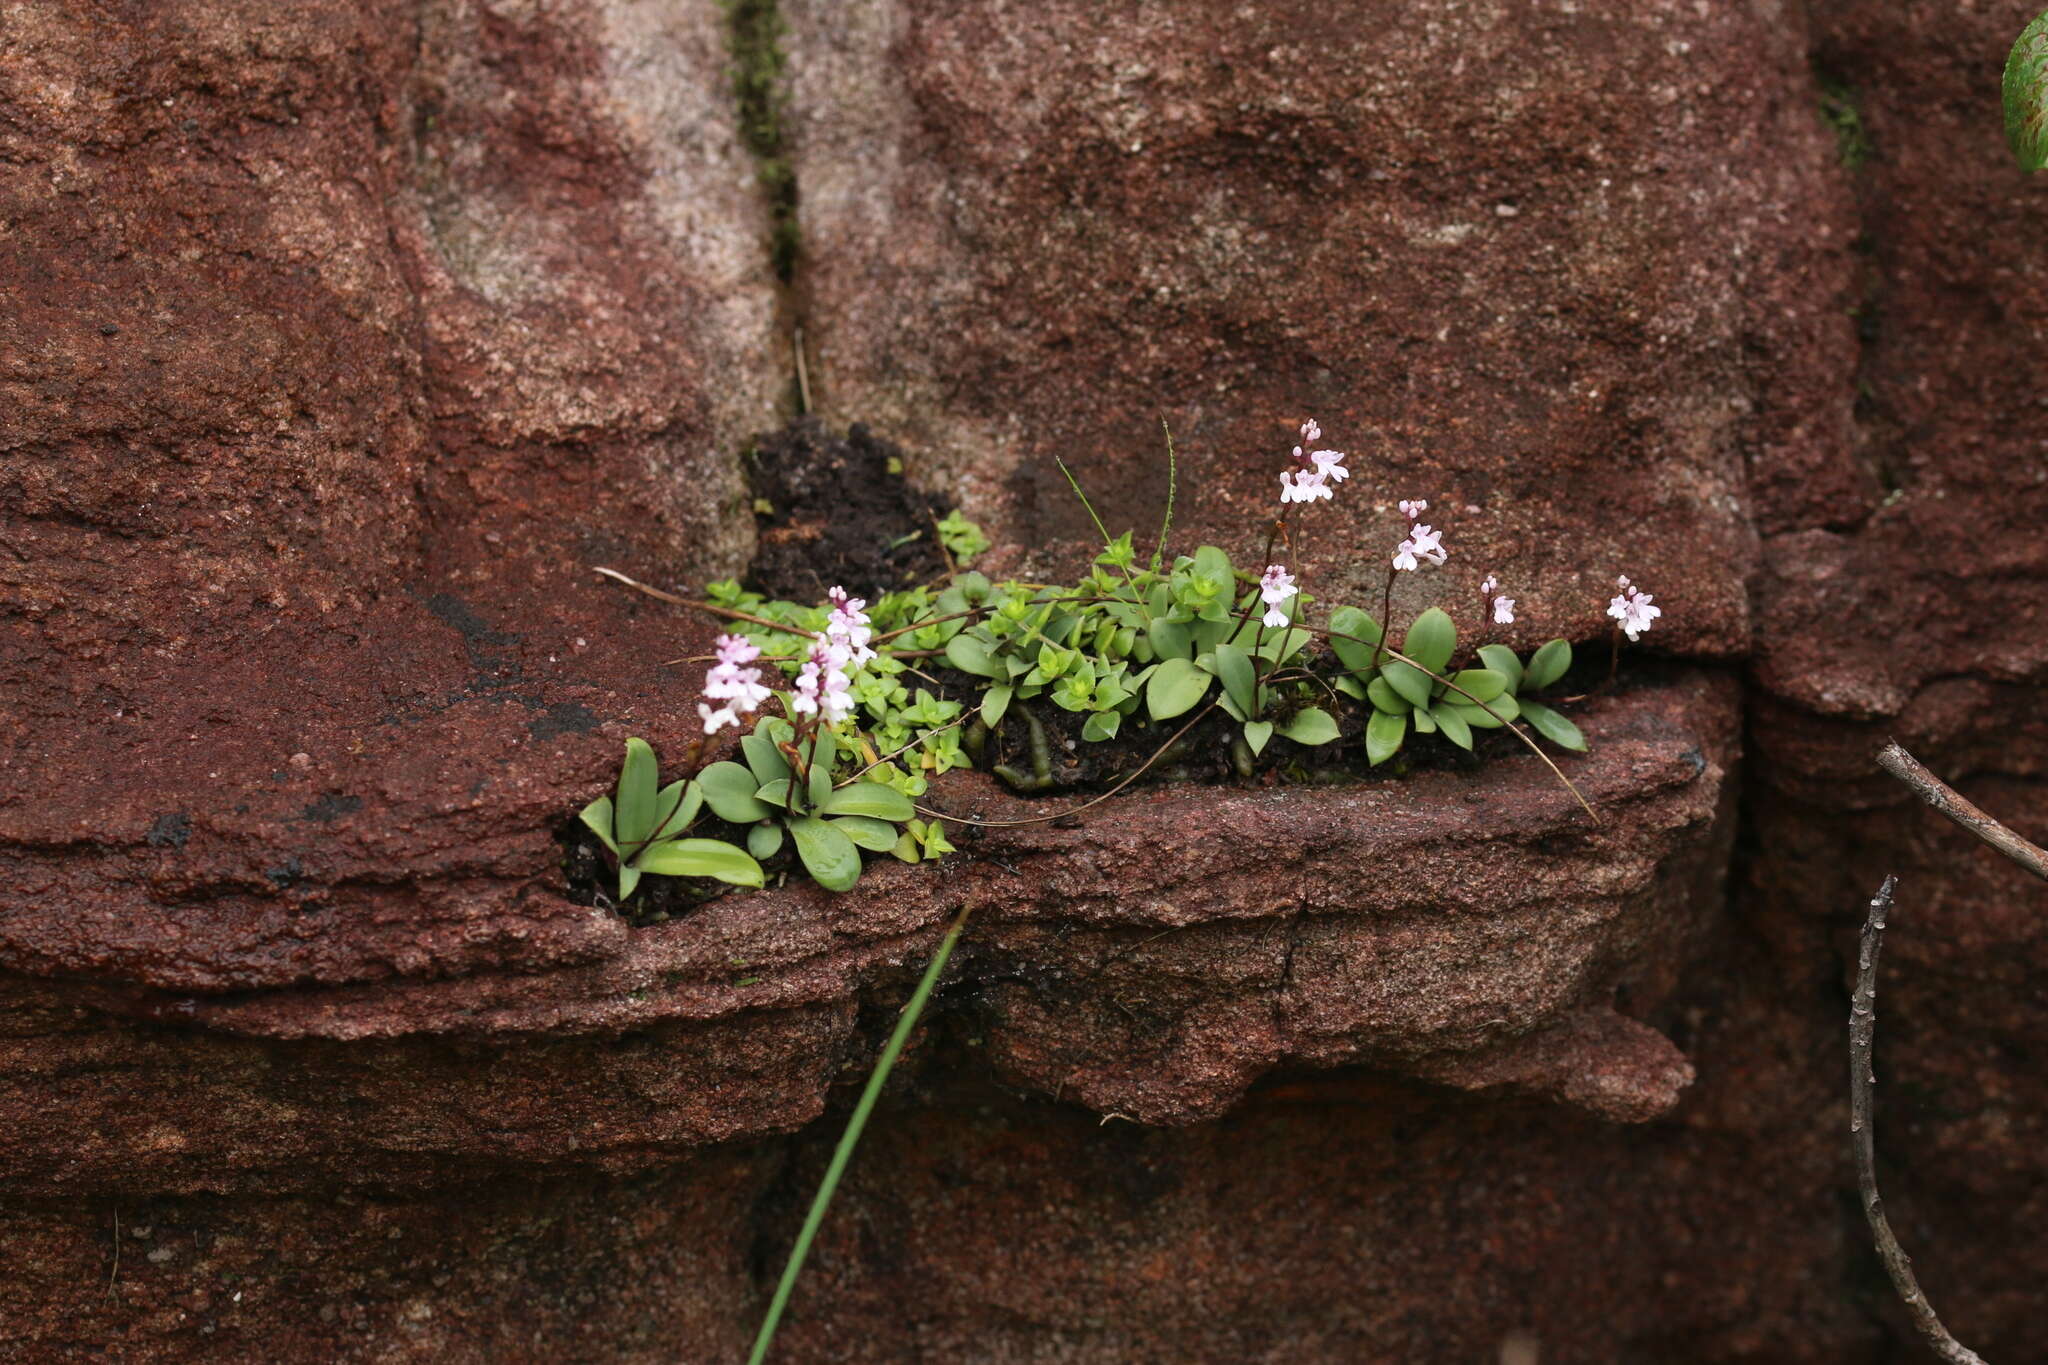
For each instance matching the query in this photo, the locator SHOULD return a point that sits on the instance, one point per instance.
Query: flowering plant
(1134, 646)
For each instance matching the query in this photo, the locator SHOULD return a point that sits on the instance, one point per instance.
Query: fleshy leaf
(597, 817)
(1174, 688)
(763, 757)
(1257, 733)
(1553, 727)
(2026, 96)
(633, 811)
(970, 655)
(1411, 683)
(1234, 667)
(995, 702)
(701, 858)
(1452, 724)
(765, 839)
(1502, 660)
(629, 877)
(1546, 666)
(828, 855)
(870, 799)
(1383, 736)
(878, 835)
(1478, 684)
(1354, 655)
(1101, 725)
(1311, 725)
(1384, 698)
(729, 791)
(1431, 640)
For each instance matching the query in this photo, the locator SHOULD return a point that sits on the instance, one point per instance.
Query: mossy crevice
(754, 32)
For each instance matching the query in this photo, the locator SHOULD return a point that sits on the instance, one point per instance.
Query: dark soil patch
(837, 511)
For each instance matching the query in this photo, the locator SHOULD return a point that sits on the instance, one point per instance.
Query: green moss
(1838, 109)
(754, 36)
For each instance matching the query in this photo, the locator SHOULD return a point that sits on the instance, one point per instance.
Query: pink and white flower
(822, 687)
(1633, 609)
(1330, 464)
(1422, 543)
(1275, 587)
(1304, 485)
(1324, 468)
(731, 682)
(1415, 508)
(848, 625)
(1503, 611)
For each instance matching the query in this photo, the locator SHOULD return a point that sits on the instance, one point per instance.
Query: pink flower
(728, 681)
(822, 687)
(1422, 543)
(1412, 510)
(1633, 609)
(1504, 611)
(848, 625)
(1310, 432)
(1275, 587)
(1304, 485)
(1329, 464)
(1489, 587)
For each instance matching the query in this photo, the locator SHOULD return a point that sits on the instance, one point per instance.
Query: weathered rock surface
(340, 340)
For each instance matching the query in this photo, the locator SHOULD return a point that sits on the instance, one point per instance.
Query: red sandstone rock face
(341, 340)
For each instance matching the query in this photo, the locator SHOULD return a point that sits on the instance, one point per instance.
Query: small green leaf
(1282, 645)
(1411, 683)
(828, 855)
(763, 757)
(1491, 716)
(629, 877)
(971, 656)
(995, 702)
(870, 799)
(633, 811)
(597, 817)
(1101, 725)
(1546, 666)
(1502, 660)
(2026, 96)
(878, 835)
(701, 858)
(1431, 640)
(1310, 725)
(1383, 736)
(765, 839)
(1234, 667)
(1478, 684)
(1384, 698)
(776, 794)
(824, 753)
(1452, 724)
(729, 791)
(1553, 727)
(675, 806)
(1350, 621)
(906, 848)
(1169, 639)
(1174, 688)
(1424, 723)
(1350, 686)
(1257, 733)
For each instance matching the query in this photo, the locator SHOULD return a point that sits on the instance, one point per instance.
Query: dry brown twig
(1863, 1030)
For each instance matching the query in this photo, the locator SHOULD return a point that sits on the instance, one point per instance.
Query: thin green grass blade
(1100, 529)
(849, 1139)
(1172, 478)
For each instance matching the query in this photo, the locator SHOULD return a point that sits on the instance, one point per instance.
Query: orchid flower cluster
(834, 752)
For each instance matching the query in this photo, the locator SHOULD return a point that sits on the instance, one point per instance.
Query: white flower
(1422, 543)
(1412, 510)
(1304, 485)
(822, 687)
(1489, 587)
(1329, 464)
(1633, 609)
(1310, 432)
(848, 625)
(728, 681)
(1504, 611)
(1275, 587)
(717, 720)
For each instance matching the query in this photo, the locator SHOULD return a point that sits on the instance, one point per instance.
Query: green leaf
(1170, 639)
(597, 817)
(1282, 645)
(675, 806)
(1502, 660)
(629, 877)
(1257, 733)
(1546, 666)
(1350, 686)
(1310, 725)
(1174, 688)
(995, 702)
(765, 839)
(1412, 684)
(1491, 716)
(1101, 725)
(1431, 640)
(1383, 736)
(775, 795)
(2026, 96)
(906, 847)
(1478, 684)
(824, 753)
(1234, 667)
(763, 757)
(828, 855)
(729, 791)
(1424, 723)
(878, 835)
(971, 656)
(633, 812)
(870, 799)
(1351, 621)
(701, 858)
(1384, 698)
(1452, 724)
(1553, 727)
